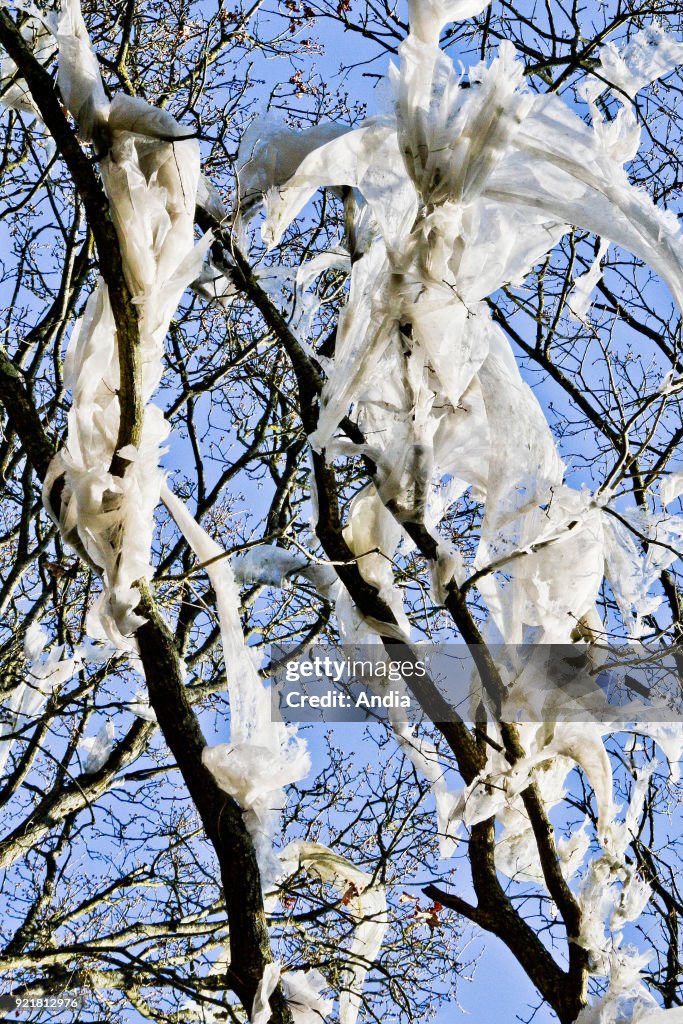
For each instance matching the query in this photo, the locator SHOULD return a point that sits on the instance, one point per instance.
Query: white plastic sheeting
(269, 154)
(669, 738)
(267, 565)
(671, 487)
(428, 18)
(263, 755)
(611, 894)
(610, 891)
(270, 566)
(372, 535)
(454, 180)
(95, 750)
(150, 170)
(552, 755)
(580, 297)
(78, 75)
(483, 182)
(301, 990)
(631, 571)
(649, 55)
(451, 139)
(433, 382)
(500, 172)
(44, 672)
(260, 1011)
(469, 151)
(365, 902)
(14, 92)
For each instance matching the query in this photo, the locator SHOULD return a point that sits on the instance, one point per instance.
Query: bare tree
(400, 379)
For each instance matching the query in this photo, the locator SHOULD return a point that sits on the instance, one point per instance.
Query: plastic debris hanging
(453, 188)
(467, 189)
(96, 749)
(364, 900)
(45, 671)
(301, 990)
(457, 191)
(150, 170)
(14, 93)
(263, 755)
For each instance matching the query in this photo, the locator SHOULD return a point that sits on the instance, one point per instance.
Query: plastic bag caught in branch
(579, 299)
(151, 186)
(671, 487)
(301, 990)
(626, 1000)
(559, 169)
(633, 572)
(364, 901)
(96, 749)
(135, 115)
(260, 1011)
(551, 564)
(80, 84)
(272, 567)
(669, 738)
(649, 55)
(14, 93)
(428, 18)
(363, 333)
(44, 672)
(267, 565)
(367, 159)
(373, 534)
(78, 75)
(451, 138)
(263, 756)
(270, 153)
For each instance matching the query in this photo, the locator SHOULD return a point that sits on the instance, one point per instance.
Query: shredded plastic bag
(364, 900)
(263, 755)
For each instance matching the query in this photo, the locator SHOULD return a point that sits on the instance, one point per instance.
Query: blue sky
(500, 990)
